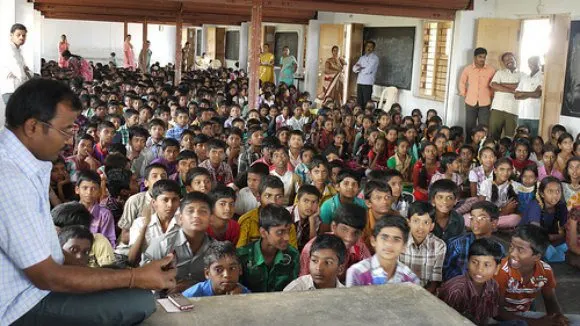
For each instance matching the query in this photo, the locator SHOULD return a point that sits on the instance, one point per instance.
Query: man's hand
(157, 275)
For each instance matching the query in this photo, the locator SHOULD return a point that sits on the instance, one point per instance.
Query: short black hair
(88, 176)
(156, 122)
(195, 196)
(117, 180)
(259, 168)
(71, 213)
(152, 166)
(17, 27)
(193, 173)
(169, 142)
(38, 99)
(352, 215)
(165, 185)
(138, 132)
(75, 232)
(186, 155)
(446, 159)
(107, 124)
(216, 143)
(347, 173)
(443, 185)
(557, 128)
(274, 215)
(535, 235)
(308, 190)
(200, 139)
(221, 192)
(332, 242)
(218, 250)
(318, 160)
(486, 247)
(490, 208)
(479, 51)
(130, 113)
(394, 221)
(376, 185)
(421, 208)
(270, 181)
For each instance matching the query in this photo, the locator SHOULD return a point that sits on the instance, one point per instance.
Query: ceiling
(234, 12)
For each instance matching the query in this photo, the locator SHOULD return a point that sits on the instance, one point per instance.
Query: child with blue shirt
(222, 271)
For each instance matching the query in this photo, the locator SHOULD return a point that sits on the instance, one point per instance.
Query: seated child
(475, 294)
(327, 256)
(573, 238)
(424, 252)
(305, 213)
(186, 160)
(305, 165)
(522, 275)
(348, 188)
(88, 189)
(378, 199)
(76, 242)
(186, 140)
(219, 170)
(443, 197)
(222, 226)
(248, 197)
(348, 226)
(448, 168)
(484, 218)
(402, 161)
(271, 192)
(377, 156)
(319, 174)
(181, 121)
(483, 172)
(548, 160)
(198, 179)
(270, 263)
(73, 213)
(83, 160)
(222, 272)
(170, 150)
(520, 156)
(189, 243)
(389, 239)
(290, 179)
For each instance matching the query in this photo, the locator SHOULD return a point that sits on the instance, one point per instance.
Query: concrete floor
(567, 288)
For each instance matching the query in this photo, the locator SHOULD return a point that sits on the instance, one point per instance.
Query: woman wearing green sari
(289, 66)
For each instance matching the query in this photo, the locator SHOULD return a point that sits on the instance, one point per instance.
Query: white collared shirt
(11, 62)
(530, 107)
(305, 283)
(246, 201)
(369, 64)
(505, 101)
(154, 230)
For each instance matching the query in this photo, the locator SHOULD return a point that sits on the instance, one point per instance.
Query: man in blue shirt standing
(366, 68)
(36, 288)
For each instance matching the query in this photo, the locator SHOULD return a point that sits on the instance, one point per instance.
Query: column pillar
(125, 30)
(311, 69)
(145, 32)
(244, 34)
(178, 54)
(256, 30)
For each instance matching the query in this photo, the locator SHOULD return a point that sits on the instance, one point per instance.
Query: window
(198, 40)
(435, 59)
(232, 45)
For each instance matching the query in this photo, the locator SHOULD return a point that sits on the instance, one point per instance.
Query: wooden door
(554, 73)
(210, 42)
(220, 45)
(330, 35)
(498, 36)
(356, 48)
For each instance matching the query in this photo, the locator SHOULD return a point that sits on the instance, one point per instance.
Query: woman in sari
(62, 46)
(267, 65)
(129, 54)
(334, 77)
(79, 67)
(289, 66)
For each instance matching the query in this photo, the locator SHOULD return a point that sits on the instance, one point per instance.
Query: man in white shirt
(13, 70)
(366, 68)
(529, 94)
(504, 108)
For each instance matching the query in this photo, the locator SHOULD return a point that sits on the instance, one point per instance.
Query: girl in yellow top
(267, 65)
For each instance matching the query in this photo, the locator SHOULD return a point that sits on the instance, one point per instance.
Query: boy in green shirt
(270, 263)
(348, 189)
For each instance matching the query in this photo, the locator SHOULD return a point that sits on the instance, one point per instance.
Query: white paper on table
(168, 305)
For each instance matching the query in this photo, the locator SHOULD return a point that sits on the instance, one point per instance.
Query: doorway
(535, 41)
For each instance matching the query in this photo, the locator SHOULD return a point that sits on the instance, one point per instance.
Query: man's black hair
(274, 215)
(218, 250)
(308, 190)
(216, 143)
(421, 208)
(535, 235)
(376, 185)
(186, 155)
(479, 51)
(332, 242)
(138, 132)
(392, 221)
(270, 181)
(221, 192)
(71, 213)
(347, 173)
(486, 247)
(195, 196)
(38, 99)
(88, 176)
(352, 215)
(490, 208)
(443, 185)
(169, 142)
(152, 166)
(193, 173)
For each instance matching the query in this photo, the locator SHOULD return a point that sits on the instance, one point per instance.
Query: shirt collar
(20, 153)
(425, 242)
(155, 220)
(281, 257)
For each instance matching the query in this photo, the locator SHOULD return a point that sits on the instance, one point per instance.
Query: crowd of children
(294, 197)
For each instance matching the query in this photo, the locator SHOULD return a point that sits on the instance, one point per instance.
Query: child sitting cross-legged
(389, 239)
(327, 256)
(270, 263)
(523, 275)
(424, 252)
(222, 272)
(475, 294)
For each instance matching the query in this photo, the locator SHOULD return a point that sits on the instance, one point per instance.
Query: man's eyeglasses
(67, 133)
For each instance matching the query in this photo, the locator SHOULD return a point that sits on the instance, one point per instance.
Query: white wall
(408, 99)
(96, 40)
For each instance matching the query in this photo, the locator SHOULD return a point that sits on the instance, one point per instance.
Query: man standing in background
(529, 94)
(13, 70)
(504, 108)
(145, 57)
(474, 86)
(366, 68)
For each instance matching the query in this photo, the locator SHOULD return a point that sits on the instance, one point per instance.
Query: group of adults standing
(288, 66)
(144, 59)
(502, 99)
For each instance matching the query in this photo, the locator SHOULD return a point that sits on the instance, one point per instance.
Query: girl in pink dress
(129, 54)
(78, 66)
(62, 46)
